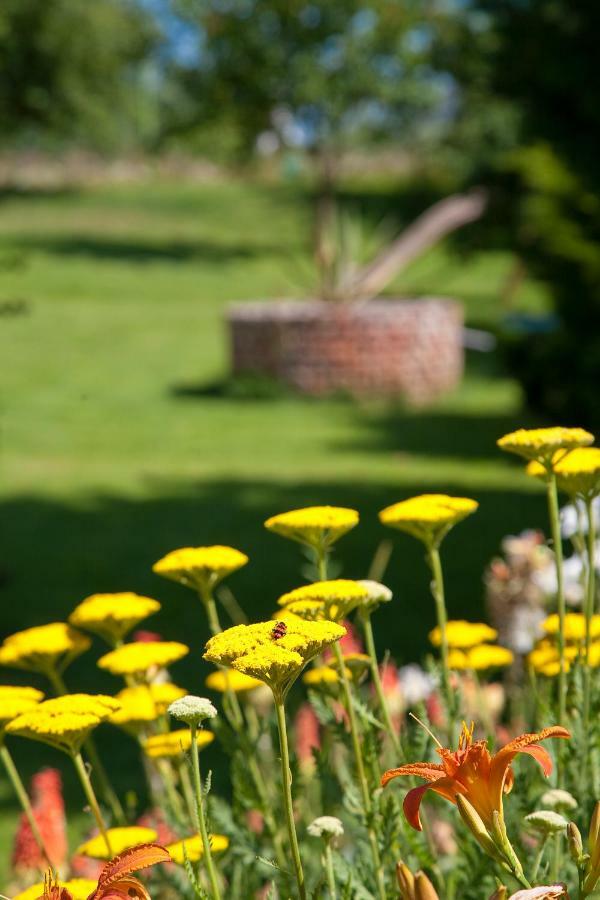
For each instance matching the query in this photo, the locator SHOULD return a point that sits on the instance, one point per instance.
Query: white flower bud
(192, 710)
(546, 821)
(326, 826)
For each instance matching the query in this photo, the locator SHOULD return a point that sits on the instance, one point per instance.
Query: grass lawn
(122, 439)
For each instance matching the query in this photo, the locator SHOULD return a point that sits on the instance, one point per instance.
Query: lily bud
(424, 890)
(500, 893)
(406, 881)
(474, 823)
(574, 843)
(594, 829)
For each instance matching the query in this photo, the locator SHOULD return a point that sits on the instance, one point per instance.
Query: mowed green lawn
(122, 437)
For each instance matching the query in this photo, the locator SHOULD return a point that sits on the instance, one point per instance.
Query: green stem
(207, 855)
(24, 800)
(360, 770)
(322, 562)
(286, 784)
(188, 792)
(108, 792)
(538, 858)
(385, 712)
(589, 612)
(554, 516)
(329, 871)
(210, 606)
(437, 589)
(166, 774)
(91, 798)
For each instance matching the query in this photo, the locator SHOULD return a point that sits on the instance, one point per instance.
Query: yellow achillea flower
(200, 568)
(461, 634)
(577, 474)
(230, 680)
(355, 664)
(317, 526)
(174, 743)
(78, 888)
(136, 658)
(574, 626)
(332, 600)
(43, 649)
(137, 708)
(17, 700)
(545, 657)
(194, 849)
(65, 731)
(541, 444)
(552, 669)
(120, 839)
(480, 658)
(96, 704)
(321, 675)
(257, 650)
(428, 517)
(112, 616)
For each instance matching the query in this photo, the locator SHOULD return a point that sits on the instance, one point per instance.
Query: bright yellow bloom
(200, 568)
(120, 839)
(17, 700)
(574, 626)
(64, 731)
(542, 443)
(97, 704)
(461, 634)
(332, 600)
(480, 658)
(137, 708)
(577, 474)
(321, 675)
(43, 648)
(428, 517)
(136, 658)
(194, 849)
(79, 889)
(257, 650)
(317, 526)
(552, 669)
(355, 664)
(164, 693)
(112, 616)
(174, 743)
(546, 654)
(230, 680)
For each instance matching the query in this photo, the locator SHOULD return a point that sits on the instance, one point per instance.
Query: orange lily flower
(473, 772)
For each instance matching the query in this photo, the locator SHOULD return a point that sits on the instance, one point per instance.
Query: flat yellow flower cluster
(545, 657)
(112, 616)
(230, 680)
(480, 658)
(64, 722)
(137, 657)
(321, 675)
(194, 849)
(43, 647)
(120, 839)
(78, 888)
(200, 567)
(574, 626)
(314, 525)
(14, 701)
(428, 517)
(462, 634)
(144, 703)
(542, 443)
(256, 650)
(577, 473)
(332, 600)
(174, 743)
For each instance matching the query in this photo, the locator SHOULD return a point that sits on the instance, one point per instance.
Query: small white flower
(192, 710)
(559, 800)
(416, 685)
(546, 821)
(326, 826)
(378, 593)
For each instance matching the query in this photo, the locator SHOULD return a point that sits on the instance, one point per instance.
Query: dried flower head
(44, 648)
(200, 568)
(112, 616)
(138, 657)
(192, 710)
(541, 444)
(428, 517)
(120, 839)
(316, 526)
(558, 799)
(193, 849)
(253, 649)
(230, 680)
(463, 634)
(174, 743)
(546, 821)
(326, 827)
(332, 600)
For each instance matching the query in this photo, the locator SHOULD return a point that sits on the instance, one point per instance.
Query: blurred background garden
(160, 159)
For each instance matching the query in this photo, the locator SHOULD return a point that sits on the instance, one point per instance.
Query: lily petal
(430, 771)
(445, 787)
(523, 744)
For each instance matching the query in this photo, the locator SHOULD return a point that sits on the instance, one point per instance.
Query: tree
(72, 70)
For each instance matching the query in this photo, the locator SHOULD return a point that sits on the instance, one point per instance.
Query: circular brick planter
(411, 348)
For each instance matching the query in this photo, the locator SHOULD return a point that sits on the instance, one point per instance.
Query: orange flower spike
(116, 881)
(482, 778)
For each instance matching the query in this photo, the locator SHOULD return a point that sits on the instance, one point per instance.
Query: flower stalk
(23, 797)
(86, 784)
(286, 784)
(376, 678)
(437, 590)
(207, 856)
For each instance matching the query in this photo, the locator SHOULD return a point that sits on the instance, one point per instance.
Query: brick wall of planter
(410, 348)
